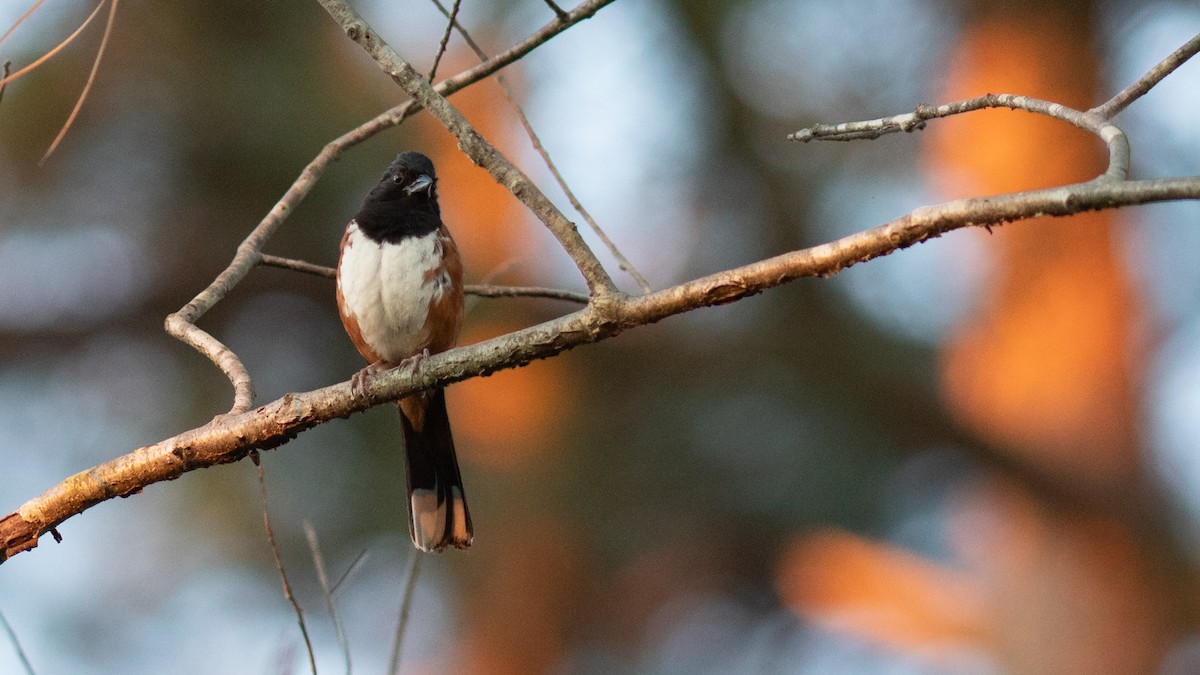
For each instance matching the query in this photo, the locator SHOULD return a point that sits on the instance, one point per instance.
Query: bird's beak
(423, 182)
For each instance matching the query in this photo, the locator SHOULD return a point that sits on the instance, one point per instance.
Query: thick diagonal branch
(229, 438)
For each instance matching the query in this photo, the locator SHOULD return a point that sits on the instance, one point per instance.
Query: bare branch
(301, 266)
(287, 587)
(248, 253)
(445, 39)
(216, 351)
(474, 145)
(1145, 83)
(622, 261)
(480, 290)
(1113, 137)
(486, 291)
(229, 438)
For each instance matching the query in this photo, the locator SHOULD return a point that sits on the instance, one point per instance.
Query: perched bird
(400, 295)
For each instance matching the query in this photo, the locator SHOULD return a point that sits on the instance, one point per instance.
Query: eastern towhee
(400, 295)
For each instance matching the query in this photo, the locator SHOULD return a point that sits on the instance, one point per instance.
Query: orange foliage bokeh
(512, 418)
(1040, 591)
(516, 615)
(887, 594)
(1044, 369)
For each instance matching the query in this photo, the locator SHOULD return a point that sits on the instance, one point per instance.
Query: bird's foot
(358, 380)
(414, 361)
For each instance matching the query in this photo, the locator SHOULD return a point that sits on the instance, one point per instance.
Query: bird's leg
(358, 380)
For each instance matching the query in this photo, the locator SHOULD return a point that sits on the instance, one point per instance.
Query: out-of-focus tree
(935, 460)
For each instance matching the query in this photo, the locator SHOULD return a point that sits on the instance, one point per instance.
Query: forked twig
(1113, 137)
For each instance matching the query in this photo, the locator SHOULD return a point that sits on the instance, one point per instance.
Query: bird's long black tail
(437, 507)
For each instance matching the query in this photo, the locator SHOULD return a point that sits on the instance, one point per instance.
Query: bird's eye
(398, 178)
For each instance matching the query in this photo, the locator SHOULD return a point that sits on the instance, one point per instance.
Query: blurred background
(979, 455)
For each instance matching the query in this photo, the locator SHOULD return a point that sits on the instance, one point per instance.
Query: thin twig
(354, 565)
(1110, 108)
(58, 48)
(339, 629)
(445, 40)
(410, 585)
(1113, 137)
(287, 587)
(20, 20)
(294, 265)
(915, 121)
(181, 324)
(622, 261)
(480, 290)
(16, 643)
(484, 291)
(475, 146)
(87, 87)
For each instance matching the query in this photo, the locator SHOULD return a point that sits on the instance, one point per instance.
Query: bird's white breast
(389, 288)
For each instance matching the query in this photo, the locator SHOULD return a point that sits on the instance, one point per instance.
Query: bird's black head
(404, 204)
